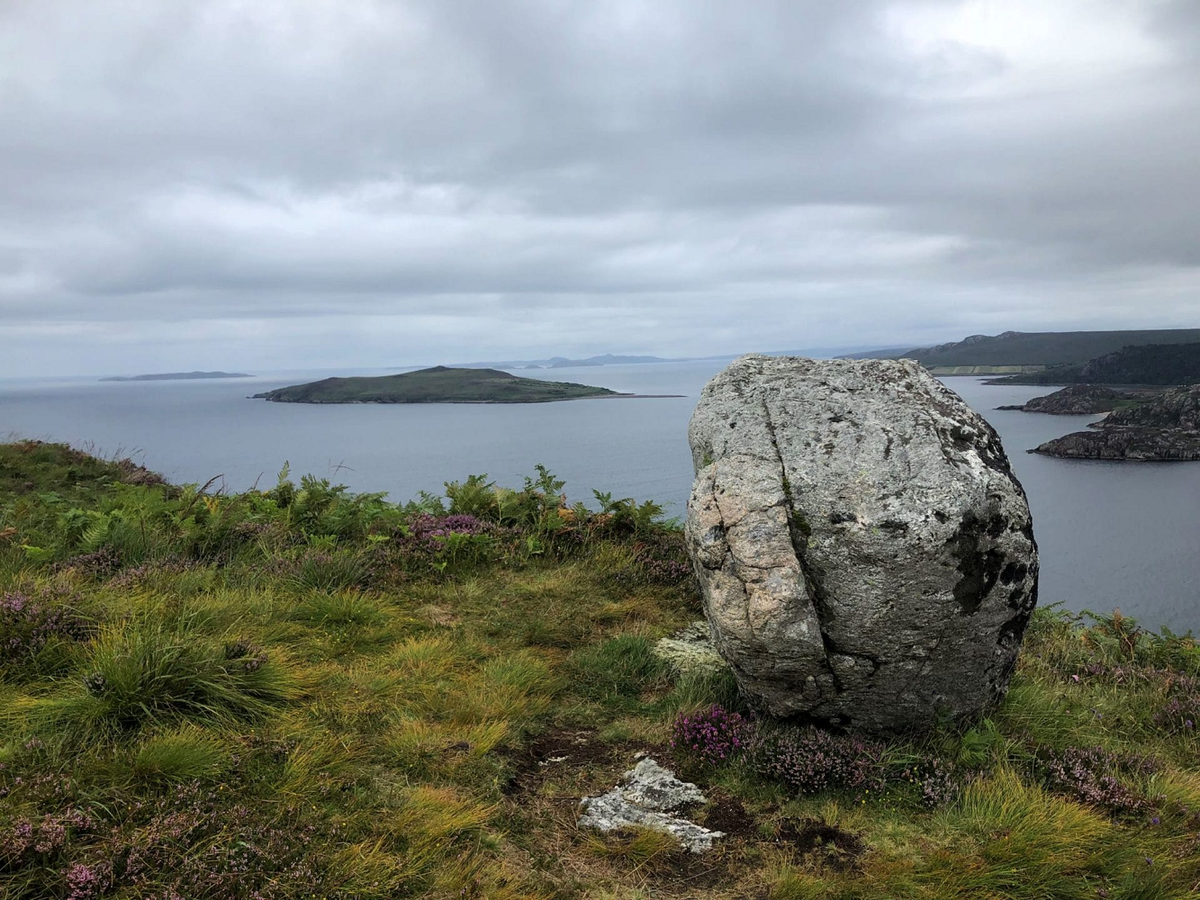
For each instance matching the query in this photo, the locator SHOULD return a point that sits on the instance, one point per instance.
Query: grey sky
(286, 183)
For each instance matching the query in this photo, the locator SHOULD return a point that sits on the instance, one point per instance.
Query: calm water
(1111, 534)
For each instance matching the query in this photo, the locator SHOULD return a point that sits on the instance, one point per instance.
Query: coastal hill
(1029, 351)
(1166, 428)
(176, 376)
(439, 384)
(1147, 364)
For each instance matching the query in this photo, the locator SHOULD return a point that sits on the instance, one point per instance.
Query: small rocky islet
(1165, 428)
(1082, 400)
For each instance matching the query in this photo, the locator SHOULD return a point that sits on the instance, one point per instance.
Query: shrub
(1089, 775)
(937, 782)
(30, 628)
(441, 541)
(660, 558)
(812, 759)
(713, 736)
(195, 842)
(1180, 713)
(37, 842)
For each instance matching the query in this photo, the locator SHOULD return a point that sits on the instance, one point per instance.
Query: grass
(286, 694)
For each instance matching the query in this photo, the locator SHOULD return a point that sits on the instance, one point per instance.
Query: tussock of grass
(284, 694)
(184, 754)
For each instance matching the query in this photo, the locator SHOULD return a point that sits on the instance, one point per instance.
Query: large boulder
(866, 555)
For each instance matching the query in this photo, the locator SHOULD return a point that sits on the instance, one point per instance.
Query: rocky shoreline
(1165, 429)
(1081, 400)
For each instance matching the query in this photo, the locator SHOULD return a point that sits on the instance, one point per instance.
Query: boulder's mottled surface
(866, 555)
(646, 798)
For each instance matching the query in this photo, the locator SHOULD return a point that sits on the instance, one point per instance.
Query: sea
(1112, 535)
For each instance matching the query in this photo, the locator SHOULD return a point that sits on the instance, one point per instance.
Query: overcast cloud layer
(279, 183)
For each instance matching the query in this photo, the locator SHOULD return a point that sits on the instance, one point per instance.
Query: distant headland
(1029, 357)
(440, 384)
(176, 376)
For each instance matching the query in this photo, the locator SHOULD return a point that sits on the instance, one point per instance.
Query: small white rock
(645, 798)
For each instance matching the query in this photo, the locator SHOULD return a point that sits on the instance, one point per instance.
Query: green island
(301, 692)
(439, 384)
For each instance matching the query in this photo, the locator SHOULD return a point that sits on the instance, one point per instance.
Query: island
(177, 376)
(440, 384)
(1165, 428)
(1082, 400)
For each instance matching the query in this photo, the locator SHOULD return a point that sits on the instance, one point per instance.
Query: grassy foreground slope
(439, 384)
(305, 693)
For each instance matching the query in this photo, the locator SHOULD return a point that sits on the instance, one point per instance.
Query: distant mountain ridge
(176, 376)
(562, 362)
(1033, 349)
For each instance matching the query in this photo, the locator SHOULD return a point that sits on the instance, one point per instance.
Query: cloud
(293, 182)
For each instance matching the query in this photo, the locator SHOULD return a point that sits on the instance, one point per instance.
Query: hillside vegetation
(1154, 364)
(436, 385)
(302, 692)
(1036, 349)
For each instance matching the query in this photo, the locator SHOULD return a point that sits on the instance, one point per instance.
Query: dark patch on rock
(1014, 571)
(979, 568)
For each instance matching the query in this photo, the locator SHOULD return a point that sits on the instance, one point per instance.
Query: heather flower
(28, 624)
(712, 737)
(426, 538)
(133, 576)
(811, 759)
(936, 779)
(1179, 713)
(98, 563)
(247, 657)
(30, 842)
(87, 881)
(1090, 775)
